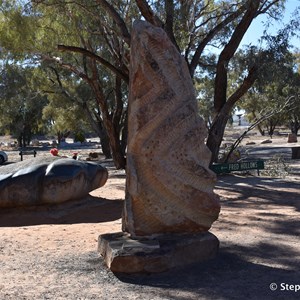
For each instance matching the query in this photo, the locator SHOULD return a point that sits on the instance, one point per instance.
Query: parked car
(3, 157)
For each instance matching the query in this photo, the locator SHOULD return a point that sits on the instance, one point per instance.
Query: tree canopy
(21, 102)
(90, 41)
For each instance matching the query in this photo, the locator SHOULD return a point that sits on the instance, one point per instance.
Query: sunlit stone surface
(169, 183)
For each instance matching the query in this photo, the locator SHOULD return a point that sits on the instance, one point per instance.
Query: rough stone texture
(52, 180)
(125, 255)
(169, 184)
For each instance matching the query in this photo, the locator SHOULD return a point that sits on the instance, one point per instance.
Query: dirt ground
(51, 252)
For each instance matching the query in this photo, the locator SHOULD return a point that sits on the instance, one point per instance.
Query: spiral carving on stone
(169, 183)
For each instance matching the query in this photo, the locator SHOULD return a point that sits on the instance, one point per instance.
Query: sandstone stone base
(122, 254)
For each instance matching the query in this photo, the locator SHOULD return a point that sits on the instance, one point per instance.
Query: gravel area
(50, 252)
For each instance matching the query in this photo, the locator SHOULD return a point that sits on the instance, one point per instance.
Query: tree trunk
(124, 135)
(216, 134)
(108, 119)
(294, 126)
(222, 105)
(115, 145)
(104, 141)
(20, 141)
(217, 129)
(260, 129)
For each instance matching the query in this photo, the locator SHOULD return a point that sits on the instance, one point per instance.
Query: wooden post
(295, 152)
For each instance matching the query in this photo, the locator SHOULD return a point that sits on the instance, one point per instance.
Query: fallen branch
(258, 121)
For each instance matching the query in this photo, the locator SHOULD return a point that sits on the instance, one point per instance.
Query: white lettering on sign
(234, 167)
(249, 165)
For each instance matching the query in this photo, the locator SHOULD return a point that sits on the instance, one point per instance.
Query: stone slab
(122, 254)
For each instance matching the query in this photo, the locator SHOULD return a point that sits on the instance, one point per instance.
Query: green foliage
(21, 103)
(205, 96)
(277, 166)
(17, 28)
(64, 115)
(271, 89)
(79, 137)
(89, 41)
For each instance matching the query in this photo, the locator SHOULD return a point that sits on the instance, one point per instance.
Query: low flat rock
(48, 180)
(122, 254)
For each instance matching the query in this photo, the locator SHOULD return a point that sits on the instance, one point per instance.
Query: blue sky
(256, 28)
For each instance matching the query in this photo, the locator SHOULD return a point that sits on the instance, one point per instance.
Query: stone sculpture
(48, 180)
(169, 183)
(170, 203)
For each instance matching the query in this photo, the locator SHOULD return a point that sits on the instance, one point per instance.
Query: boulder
(48, 180)
(266, 142)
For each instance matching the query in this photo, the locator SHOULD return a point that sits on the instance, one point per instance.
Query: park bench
(27, 152)
(223, 168)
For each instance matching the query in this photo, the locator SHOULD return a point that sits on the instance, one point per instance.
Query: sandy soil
(51, 252)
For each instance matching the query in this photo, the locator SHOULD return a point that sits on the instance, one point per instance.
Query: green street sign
(238, 166)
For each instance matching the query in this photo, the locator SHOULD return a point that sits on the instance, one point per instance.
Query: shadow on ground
(248, 261)
(269, 190)
(88, 210)
(229, 276)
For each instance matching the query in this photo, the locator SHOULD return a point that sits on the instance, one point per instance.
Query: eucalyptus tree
(277, 82)
(293, 118)
(72, 107)
(54, 25)
(21, 104)
(106, 80)
(91, 38)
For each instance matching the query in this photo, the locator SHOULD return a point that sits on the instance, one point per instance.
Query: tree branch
(244, 87)
(210, 35)
(66, 66)
(97, 58)
(117, 18)
(148, 14)
(266, 6)
(168, 27)
(228, 52)
(266, 116)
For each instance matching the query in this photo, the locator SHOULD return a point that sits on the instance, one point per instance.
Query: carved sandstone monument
(170, 204)
(48, 180)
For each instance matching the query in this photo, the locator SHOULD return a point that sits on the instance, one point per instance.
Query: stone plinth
(125, 255)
